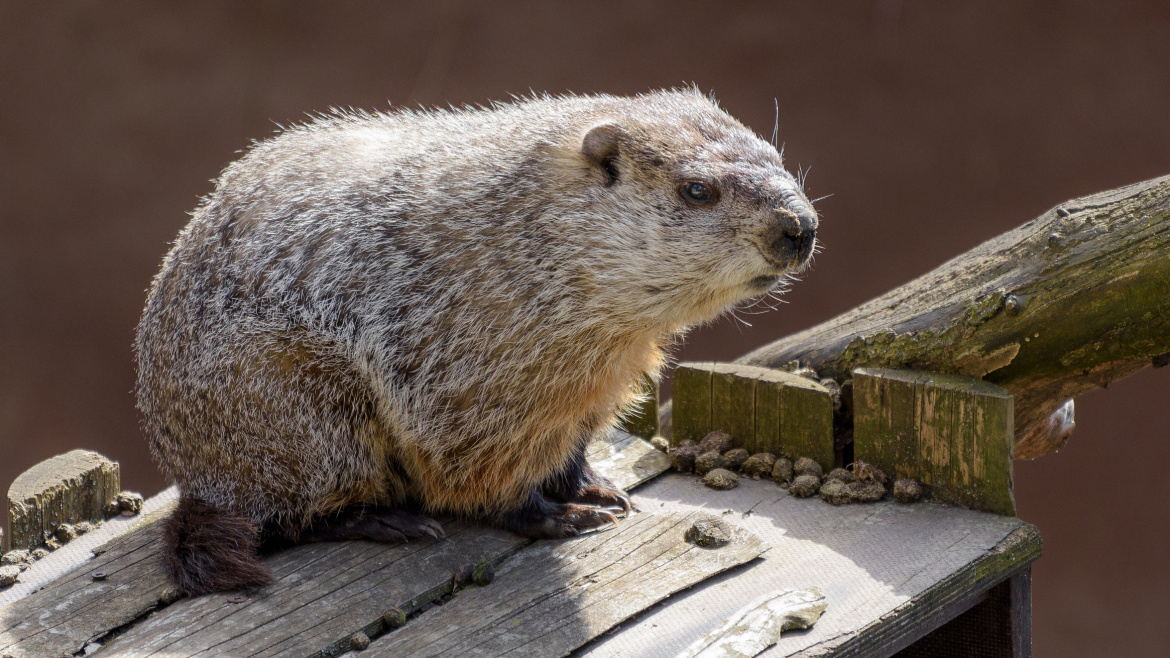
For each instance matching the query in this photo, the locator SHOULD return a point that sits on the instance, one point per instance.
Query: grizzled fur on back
(443, 306)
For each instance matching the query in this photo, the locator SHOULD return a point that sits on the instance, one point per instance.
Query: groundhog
(376, 317)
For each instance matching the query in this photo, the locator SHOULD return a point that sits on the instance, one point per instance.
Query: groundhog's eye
(698, 193)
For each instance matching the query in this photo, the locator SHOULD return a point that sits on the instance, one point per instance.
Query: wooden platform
(891, 575)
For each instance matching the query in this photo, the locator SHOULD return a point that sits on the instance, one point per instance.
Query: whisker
(776, 126)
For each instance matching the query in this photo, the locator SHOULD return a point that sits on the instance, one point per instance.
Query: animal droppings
(708, 461)
(841, 475)
(869, 473)
(736, 457)
(758, 465)
(709, 532)
(804, 486)
(721, 478)
(719, 441)
(682, 458)
(806, 466)
(782, 472)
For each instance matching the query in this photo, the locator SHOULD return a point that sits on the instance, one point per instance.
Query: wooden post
(69, 488)
(764, 410)
(950, 432)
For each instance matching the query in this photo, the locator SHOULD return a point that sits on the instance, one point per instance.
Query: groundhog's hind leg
(206, 549)
(383, 524)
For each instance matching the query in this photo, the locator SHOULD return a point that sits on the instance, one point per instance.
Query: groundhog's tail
(206, 549)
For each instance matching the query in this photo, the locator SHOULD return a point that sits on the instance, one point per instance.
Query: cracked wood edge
(77, 608)
(555, 596)
(939, 603)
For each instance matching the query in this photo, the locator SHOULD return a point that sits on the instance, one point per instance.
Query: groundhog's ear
(601, 147)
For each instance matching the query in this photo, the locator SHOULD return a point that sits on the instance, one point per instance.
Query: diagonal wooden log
(1067, 303)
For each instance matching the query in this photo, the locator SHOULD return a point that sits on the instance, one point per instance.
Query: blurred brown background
(934, 126)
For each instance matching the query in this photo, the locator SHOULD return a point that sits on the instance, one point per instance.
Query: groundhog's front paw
(541, 518)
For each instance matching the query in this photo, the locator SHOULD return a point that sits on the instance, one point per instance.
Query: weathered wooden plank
(722, 378)
(76, 486)
(692, 397)
(733, 402)
(758, 625)
(324, 593)
(643, 420)
(626, 460)
(742, 425)
(869, 560)
(949, 431)
(84, 605)
(934, 412)
(763, 410)
(885, 419)
(939, 603)
(555, 596)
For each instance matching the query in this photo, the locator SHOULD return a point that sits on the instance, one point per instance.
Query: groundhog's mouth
(764, 283)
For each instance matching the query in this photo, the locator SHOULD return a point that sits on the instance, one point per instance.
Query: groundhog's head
(708, 214)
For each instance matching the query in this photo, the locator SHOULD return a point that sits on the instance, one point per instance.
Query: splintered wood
(68, 488)
(950, 432)
(556, 596)
(764, 410)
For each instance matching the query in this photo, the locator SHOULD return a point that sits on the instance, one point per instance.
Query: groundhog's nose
(798, 242)
(792, 236)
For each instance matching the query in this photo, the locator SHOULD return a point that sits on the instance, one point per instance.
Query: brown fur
(441, 309)
(206, 549)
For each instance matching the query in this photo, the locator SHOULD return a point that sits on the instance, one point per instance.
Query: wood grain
(78, 608)
(555, 596)
(68, 488)
(949, 431)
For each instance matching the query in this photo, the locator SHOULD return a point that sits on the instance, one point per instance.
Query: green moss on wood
(691, 402)
(952, 432)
